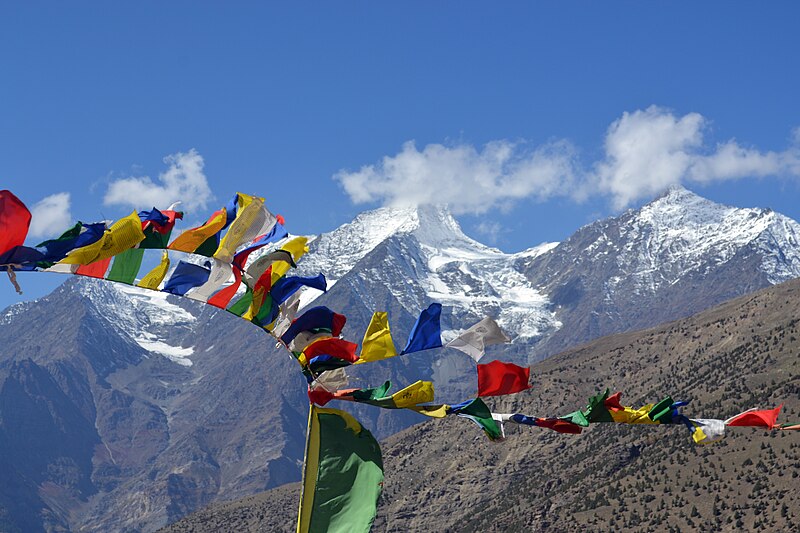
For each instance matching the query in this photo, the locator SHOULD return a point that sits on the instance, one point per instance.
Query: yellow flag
(252, 218)
(191, 239)
(434, 411)
(124, 234)
(633, 416)
(154, 278)
(416, 393)
(297, 247)
(377, 343)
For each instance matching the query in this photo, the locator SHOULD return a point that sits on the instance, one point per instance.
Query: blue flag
(427, 332)
(186, 276)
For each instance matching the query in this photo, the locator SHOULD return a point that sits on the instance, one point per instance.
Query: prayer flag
(377, 343)
(186, 276)
(123, 234)
(14, 221)
(473, 341)
(756, 418)
(126, 266)
(193, 239)
(315, 319)
(339, 348)
(427, 331)
(154, 278)
(498, 378)
(343, 475)
(477, 411)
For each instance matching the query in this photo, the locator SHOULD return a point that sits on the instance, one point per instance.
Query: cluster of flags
(343, 472)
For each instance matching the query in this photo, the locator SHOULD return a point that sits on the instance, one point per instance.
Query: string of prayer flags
(120, 236)
(342, 476)
(427, 331)
(474, 340)
(498, 378)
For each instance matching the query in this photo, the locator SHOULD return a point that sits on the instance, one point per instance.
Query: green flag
(343, 475)
(126, 265)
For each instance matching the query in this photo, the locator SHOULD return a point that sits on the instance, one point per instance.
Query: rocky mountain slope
(445, 476)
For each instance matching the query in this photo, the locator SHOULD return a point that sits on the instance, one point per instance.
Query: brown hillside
(445, 476)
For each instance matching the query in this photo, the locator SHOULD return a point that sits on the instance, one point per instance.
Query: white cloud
(183, 181)
(649, 150)
(645, 152)
(471, 180)
(51, 216)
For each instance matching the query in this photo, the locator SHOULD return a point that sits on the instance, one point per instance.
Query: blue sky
(531, 120)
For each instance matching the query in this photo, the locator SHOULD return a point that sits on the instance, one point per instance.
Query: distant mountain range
(125, 410)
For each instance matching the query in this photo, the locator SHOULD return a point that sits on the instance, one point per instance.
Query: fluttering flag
(498, 378)
(14, 221)
(474, 340)
(153, 279)
(123, 234)
(126, 266)
(252, 219)
(707, 430)
(220, 273)
(286, 314)
(343, 475)
(285, 287)
(78, 236)
(339, 348)
(377, 343)
(157, 227)
(185, 277)
(202, 240)
(223, 297)
(479, 413)
(315, 319)
(417, 393)
(93, 270)
(756, 418)
(277, 233)
(427, 331)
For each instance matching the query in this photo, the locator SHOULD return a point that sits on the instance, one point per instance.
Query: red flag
(319, 396)
(223, 297)
(339, 348)
(498, 378)
(765, 418)
(612, 402)
(556, 424)
(14, 221)
(94, 270)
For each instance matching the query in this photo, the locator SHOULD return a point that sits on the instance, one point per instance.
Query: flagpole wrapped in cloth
(343, 475)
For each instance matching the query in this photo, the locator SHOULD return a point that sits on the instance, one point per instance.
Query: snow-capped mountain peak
(337, 252)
